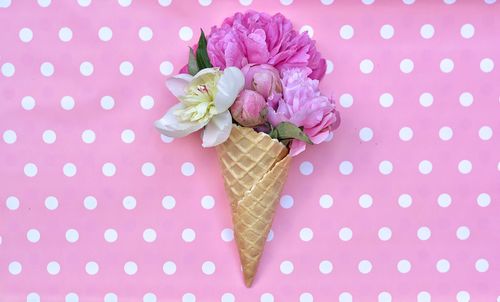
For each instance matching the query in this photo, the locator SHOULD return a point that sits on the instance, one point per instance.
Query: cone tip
(248, 281)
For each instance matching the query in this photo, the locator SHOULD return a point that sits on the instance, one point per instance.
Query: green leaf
(274, 133)
(192, 64)
(286, 130)
(201, 53)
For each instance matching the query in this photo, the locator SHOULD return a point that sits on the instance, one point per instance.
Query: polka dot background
(402, 204)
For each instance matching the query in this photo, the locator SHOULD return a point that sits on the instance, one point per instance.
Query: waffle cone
(255, 168)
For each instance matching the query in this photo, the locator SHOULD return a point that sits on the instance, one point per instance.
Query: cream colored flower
(204, 102)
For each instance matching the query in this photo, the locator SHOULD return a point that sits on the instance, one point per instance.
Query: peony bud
(249, 109)
(263, 78)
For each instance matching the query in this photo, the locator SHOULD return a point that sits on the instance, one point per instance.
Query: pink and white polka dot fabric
(401, 205)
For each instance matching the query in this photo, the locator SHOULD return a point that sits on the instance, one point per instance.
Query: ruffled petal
(169, 125)
(177, 85)
(217, 130)
(229, 86)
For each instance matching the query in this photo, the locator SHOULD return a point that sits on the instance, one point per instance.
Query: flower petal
(177, 85)
(169, 124)
(217, 130)
(229, 86)
(205, 71)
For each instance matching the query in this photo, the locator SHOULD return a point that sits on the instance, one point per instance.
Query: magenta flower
(303, 105)
(259, 38)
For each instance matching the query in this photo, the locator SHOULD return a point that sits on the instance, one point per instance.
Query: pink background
(395, 208)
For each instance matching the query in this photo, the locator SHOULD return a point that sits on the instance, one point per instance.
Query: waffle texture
(255, 168)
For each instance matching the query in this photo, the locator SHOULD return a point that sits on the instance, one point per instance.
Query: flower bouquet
(252, 86)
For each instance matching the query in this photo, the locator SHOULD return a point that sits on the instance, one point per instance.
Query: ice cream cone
(255, 168)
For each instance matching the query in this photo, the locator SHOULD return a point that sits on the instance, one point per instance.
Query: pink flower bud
(249, 109)
(262, 78)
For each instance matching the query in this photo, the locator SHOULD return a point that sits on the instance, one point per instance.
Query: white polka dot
(346, 167)
(404, 266)
(306, 297)
(110, 297)
(406, 134)
(286, 201)
(33, 235)
(270, 236)
(463, 233)
(72, 235)
(443, 266)
(406, 65)
(365, 266)
(466, 99)
(487, 65)
(44, 3)
(168, 202)
(12, 203)
(165, 3)
(30, 170)
(107, 102)
(126, 68)
(92, 268)
(424, 233)
(325, 267)
(125, 3)
(185, 33)
(49, 136)
(51, 203)
(149, 235)
(483, 200)
(306, 168)
(130, 268)
(188, 235)
(307, 29)
(425, 167)
(366, 134)
(105, 34)
(129, 202)
(286, 267)
(9, 136)
(53, 268)
(5, 3)
(490, 2)
(329, 66)
(86, 69)
(204, 3)
(365, 201)
(444, 200)
(482, 265)
(207, 202)
(109, 169)
(366, 66)
(148, 169)
(28, 103)
(485, 133)
(149, 297)
(427, 31)
(71, 297)
(227, 235)
(69, 169)
(426, 99)
(306, 234)
(47, 69)
(110, 235)
(467, 31)
(15, 268)
(384, 297)
(128, 136)
(166, 139)
(463, 296)
(208, 268)
(189, 297)
(145, 33)
(327, 2)
(384, 233)
(8, 69)
(385, 167)
(326, 201)
(65, 34)
(445, 133)
(267, 297)
(166, 68)
(147, 102)
(88, 136)
(464, 166)
(31, 297)
(449, 1)
(423, 297)
(386, 100)
(84, 3)
(446, 65)
(345, 297)
(169, 268)
(346, 100)
(368, 2)
(90, 202)
(405, 200)
(345, 234)
(188, 169)
(246, 2)
(387, 31)
(67, 102)
(25, 35)
(346, 32)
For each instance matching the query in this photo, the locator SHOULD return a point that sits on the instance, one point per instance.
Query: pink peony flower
(249, 109)
(262, 78)
(259, 38)
(303, 105)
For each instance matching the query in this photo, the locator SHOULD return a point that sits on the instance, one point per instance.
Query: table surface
(403, 203)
